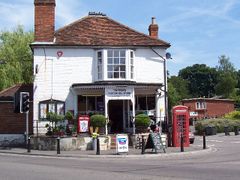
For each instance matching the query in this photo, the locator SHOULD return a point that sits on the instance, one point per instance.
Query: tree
(180, 85)
(201, 80)
(17, 57)
(227, 78)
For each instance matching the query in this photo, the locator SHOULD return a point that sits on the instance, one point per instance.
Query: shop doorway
(115, 113)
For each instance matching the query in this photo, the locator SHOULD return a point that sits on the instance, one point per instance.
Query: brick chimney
(44, 20)
(153, 28)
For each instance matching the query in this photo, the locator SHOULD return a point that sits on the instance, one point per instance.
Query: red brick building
(13, 122)
(208, 107)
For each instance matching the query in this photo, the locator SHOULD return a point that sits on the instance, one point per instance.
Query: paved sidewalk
(107, 153)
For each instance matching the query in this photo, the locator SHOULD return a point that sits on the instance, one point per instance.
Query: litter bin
(214, 130)
(210, 130)
(236, 130)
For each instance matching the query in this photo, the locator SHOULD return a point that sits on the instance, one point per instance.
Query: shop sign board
(83, 124)
(193, 113)
(122, 143)
(119, 92)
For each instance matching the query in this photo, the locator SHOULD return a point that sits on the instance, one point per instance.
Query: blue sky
(199, 31)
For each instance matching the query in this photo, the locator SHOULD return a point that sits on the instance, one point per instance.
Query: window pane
(110, 60)
(131, 54)
(122, 61)
(99, 54)
(116, 53)
(116, 68)
(122, 74)
(99, 61)
(110, 74)
(116, 60)
(110, 53)
(122, 68)
(122, 54)
(110, 68)
(116, 74)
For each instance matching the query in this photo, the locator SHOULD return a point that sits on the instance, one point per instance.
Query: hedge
(218, 123)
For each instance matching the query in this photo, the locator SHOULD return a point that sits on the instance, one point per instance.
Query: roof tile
(103, 31)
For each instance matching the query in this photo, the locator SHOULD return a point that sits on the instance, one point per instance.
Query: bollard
(143, 145)
(29, 145)
(236, 130)
(182, 147)
(204, 140)
(226, 131)
(98, 147)
(58, 145)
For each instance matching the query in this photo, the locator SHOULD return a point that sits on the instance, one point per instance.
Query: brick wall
(13, 123)
(214, 108)
(44, 20)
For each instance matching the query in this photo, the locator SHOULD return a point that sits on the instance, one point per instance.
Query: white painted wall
(77, 65)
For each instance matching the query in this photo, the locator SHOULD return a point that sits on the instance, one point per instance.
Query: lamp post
(167, 56)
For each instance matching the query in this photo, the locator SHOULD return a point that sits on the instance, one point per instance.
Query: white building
(96, 65)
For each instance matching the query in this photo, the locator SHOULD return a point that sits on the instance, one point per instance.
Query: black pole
(143, 145)
(182, 147)
(98, 147)
(29, 145)
(58, 145)
(204, 140)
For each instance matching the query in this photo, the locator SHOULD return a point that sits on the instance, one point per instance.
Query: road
(222, 163)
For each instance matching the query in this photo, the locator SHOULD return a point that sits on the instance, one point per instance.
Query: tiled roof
(9, 93)
(103, 31)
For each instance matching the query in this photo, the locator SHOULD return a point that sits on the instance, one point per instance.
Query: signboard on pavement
(122, 143)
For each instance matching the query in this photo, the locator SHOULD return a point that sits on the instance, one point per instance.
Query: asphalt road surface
(221, 163)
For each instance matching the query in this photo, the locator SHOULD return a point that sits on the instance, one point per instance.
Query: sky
(199, 31)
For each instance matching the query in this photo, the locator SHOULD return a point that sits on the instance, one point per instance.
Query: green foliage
(98, 120)
(142, 120)
(201, 80)
(69, 116)
(218, 123)
(54, 117)
(233, 115)
(227, 78)
(17, 57)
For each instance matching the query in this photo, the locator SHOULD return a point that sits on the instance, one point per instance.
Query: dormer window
(115, 64)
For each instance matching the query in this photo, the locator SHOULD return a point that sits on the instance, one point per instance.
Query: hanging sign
(122, 143)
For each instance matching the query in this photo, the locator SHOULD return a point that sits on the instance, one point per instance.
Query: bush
(97, 120)
(218, 123)
(69, 115)
(233, 115)
(142, 120)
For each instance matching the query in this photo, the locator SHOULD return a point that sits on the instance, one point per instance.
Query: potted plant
(69, 116)
(142, 122)
(54, 119)
(98, 121)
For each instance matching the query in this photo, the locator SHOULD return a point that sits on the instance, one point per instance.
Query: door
(115, 113)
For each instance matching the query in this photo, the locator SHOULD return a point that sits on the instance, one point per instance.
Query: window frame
(127, 67)
(201, 105)
(55, 107)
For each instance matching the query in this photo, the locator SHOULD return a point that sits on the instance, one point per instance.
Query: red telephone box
(180, 125)
(83, 123)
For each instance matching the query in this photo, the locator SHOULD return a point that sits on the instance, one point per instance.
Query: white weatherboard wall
(77, 65)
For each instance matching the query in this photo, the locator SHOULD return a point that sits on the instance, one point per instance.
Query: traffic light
(24, 102)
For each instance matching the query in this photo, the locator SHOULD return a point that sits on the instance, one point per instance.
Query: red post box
(180, 126)
(83, 123)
